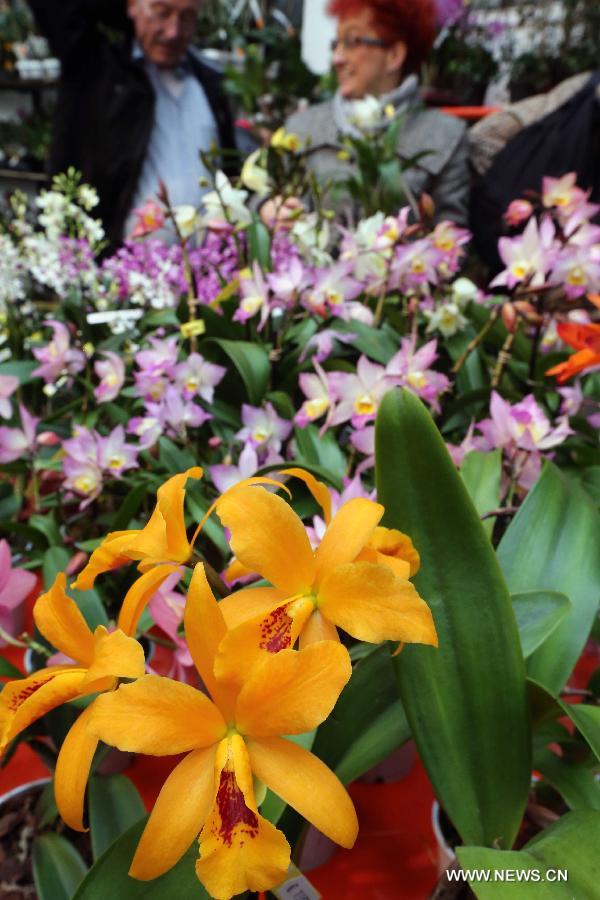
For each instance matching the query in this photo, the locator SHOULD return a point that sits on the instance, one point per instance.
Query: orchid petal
(73, 769)
(307, 784)
(350, 530)
(178, 816)
(158, 717)
(59, 619)
(240, 850)
(372, 604)
(268, 537)
(292, 691)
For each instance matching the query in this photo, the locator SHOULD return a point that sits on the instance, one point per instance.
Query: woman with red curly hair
(378, 51)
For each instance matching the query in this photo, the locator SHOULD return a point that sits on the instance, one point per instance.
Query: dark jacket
(565, 140)
(105, 108)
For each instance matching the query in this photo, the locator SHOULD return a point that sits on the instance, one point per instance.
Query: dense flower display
(242, 374)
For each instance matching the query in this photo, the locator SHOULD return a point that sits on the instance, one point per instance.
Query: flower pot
(17, 821)
(440, 824)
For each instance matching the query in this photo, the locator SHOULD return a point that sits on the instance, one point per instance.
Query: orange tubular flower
(162, 540)
(101, 658)
(228, 740)
(586, 340)
(355, 580)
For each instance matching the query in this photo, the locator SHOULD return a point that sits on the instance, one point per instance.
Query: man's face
(164, 28)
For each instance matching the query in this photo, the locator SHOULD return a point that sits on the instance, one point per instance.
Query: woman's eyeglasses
(351, 43)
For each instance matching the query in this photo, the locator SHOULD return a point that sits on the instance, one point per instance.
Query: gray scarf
(402, 98)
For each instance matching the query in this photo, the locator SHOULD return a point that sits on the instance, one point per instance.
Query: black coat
(105, 108)
(566, 140)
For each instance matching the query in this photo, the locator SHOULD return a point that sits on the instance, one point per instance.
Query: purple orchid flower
(263, 428)
(18, 442)
(15, 585)
(8, 385)
(111, 372)
(58, 357)
(197, 376)
(411, 368)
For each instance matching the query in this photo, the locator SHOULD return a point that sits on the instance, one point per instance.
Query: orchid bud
(509, 317)
(426, 206)
(518, 212)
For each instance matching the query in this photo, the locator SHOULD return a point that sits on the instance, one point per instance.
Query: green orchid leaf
(385, 734)
(378, 345)
(259, 245)
(562, 863)
(466, 700)
(114, 805)
(58, 869)
(369, 695)
(252, 364)
(575, 783)
(172, 458)
(108, 877)
(587, 721)
(55, 560)
(481, 473)
(130, 506)
(21, 369)
(552, 544)
(7, 670)
(544, 706)
(538, 614)
(320, 450)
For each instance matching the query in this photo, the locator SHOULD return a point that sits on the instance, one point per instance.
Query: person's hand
(279, 212)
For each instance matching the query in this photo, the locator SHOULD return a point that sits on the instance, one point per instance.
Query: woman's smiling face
(365, 68)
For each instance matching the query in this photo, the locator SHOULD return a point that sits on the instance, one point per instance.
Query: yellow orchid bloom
(356, 579)
(162, 540)
(228, 740)
(101, 658)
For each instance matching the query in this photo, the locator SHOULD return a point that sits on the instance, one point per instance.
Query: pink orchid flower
(111, 372)
(15, 585)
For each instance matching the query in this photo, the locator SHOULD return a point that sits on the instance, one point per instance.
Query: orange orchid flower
(229, 740)
(355, 580)
(101, 658)
(162, 540)
(586, 340)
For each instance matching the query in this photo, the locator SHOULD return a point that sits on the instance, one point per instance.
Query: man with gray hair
(136, 103)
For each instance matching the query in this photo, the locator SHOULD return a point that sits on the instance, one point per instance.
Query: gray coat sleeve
(450, 188)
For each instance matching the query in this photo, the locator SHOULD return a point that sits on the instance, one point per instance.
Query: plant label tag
(296, 887)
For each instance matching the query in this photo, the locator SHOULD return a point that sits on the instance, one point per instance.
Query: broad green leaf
(587, 720)
(57, 867)
(252, 364)
(129, 507)
(568, 846)
(7, 670)
(389, 731)
(538, 613)
(379, 345)
(114, 806)
(173, 458)
(465, 700)
(48, 527)
(552, 544)
(108, 878)
(545, 706)
(259, 245)
(481, 474)
(368, 695)
(55, 560)
(92, 608)
(320, 450)
(575, 783)
(21, 369)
